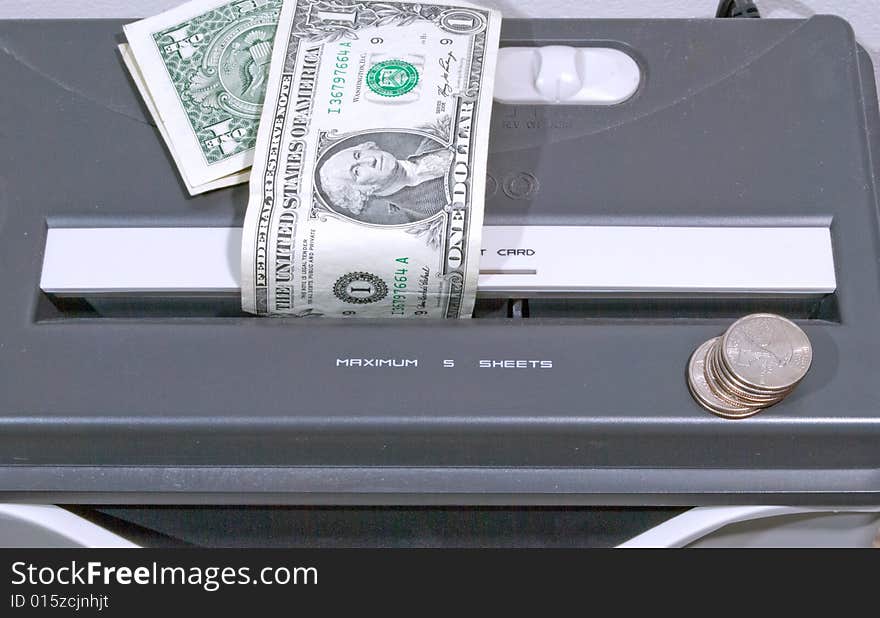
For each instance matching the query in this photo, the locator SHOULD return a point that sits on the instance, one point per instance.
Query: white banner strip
(517, 260)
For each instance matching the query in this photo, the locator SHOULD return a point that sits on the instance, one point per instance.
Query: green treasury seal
(392, 78)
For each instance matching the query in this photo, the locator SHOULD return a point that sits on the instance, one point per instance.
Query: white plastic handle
(56, 521)
(700, 522)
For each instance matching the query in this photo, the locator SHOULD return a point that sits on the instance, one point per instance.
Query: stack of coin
(756, 364)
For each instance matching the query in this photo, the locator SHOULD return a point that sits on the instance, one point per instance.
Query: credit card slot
(717, 307)
(513, 271)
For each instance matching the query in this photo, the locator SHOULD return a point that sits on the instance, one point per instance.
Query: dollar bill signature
(202, 70)
(367, 189)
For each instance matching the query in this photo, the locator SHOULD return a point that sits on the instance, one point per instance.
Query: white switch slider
(563, 75)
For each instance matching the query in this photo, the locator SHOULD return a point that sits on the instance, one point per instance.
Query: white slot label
(515, 261)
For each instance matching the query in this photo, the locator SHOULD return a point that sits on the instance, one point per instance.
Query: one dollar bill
(202, 71)
(368, 182)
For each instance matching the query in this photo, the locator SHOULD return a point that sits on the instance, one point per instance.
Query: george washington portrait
(385, 177)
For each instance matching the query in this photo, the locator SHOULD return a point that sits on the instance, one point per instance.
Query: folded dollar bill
(201, 69)
(368, 182)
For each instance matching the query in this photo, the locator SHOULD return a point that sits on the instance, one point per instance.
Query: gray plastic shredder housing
(742, 122)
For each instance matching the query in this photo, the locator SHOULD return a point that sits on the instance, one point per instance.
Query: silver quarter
(703, 393)
(766, 353)
(735, 389)
(720, 387)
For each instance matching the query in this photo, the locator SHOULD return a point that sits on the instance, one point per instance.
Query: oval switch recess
(563, 75)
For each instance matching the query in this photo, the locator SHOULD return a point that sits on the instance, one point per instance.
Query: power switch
(563, 75)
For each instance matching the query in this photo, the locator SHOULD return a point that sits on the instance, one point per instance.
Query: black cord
(737, 8)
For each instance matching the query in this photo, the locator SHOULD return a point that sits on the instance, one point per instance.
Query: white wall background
(864, 15)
